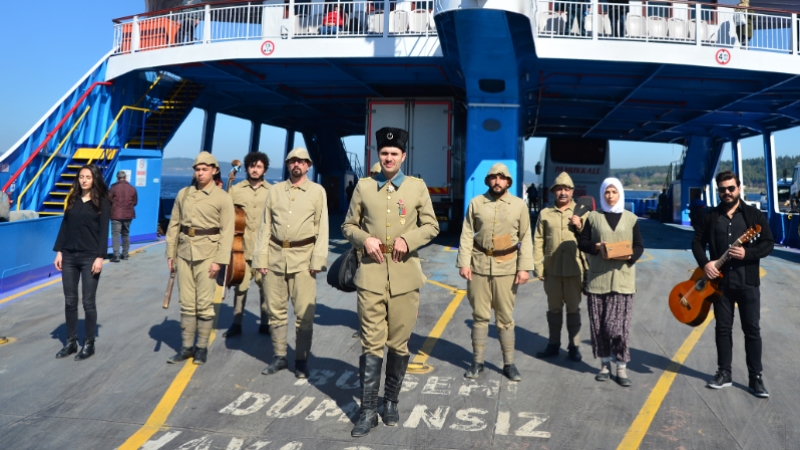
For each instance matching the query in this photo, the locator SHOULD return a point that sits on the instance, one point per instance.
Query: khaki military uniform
(558, 260)
(199, 210)
(493, 223)
(252, 200)
(292, 214)
(388, 292)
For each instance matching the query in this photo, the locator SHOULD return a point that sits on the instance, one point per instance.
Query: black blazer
(704, 236)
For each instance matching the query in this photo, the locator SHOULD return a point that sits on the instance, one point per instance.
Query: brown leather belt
(293, 244)
(387, 248)
(492, 252)
(192, 232)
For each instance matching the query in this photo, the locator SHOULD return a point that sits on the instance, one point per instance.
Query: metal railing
(252, 20)
(719, 25)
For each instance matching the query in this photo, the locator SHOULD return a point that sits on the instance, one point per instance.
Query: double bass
(234, 272)
(690, 301)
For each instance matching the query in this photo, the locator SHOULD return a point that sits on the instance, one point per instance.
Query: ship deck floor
(126, 396)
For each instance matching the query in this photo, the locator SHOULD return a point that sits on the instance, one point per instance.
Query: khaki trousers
(301, 288)
(563, 291)
(386, 320)
(486, 293)
(196, 288)
(240, 292)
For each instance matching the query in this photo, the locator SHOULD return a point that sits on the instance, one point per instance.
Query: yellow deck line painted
(158, 418)
(638, 429)
(443, 286)
(427, 346)
(57, 280)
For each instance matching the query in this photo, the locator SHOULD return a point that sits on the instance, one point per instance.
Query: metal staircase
(162, 123)
(55, 202)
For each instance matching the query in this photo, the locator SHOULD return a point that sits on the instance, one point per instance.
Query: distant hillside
(183, 167)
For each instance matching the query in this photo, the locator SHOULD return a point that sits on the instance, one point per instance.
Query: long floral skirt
(610, 324)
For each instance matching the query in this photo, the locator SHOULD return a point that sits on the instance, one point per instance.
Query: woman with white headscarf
(611, 283)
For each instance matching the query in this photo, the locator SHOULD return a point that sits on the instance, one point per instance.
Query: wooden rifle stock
(168, 294)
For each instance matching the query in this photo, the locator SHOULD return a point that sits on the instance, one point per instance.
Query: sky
(45, 59)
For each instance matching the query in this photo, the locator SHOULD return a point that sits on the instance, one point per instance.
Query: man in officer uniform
(559, 265)
(494, 256)
(250, 195)
(390, 274)
(199, 240)
(291, 249)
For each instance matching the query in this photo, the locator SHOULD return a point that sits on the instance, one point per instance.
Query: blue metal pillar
(255, 136)
(769, 166)
(209, 124)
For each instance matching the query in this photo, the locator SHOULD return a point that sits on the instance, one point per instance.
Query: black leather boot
(234, 330)
(396, 366)
(70, 348)
(86, 351)
(183, 354)
(200, 356)
(300, 368)
(474, 370)
(278, 364)
(370, 372)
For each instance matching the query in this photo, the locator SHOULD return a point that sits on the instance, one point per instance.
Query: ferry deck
(667, 78)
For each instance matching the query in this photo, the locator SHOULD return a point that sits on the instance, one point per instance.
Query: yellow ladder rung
(54, 203)
(59, 193)
(68, 175)
(74, 167)
(64, 184)
(50, 213)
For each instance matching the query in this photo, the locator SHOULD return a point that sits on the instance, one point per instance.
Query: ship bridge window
(492, 86)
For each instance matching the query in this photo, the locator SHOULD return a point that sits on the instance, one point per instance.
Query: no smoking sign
(723, 57)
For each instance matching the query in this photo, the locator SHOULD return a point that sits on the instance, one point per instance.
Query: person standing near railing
(744, 23)
(576, 10)
(617, 10)
(189, 21)
(81, 246)
(333, 22)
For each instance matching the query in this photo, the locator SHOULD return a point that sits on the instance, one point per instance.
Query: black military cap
(392, 137)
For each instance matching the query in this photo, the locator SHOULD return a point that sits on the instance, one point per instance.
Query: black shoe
(549, 351)
(396, 366)
(474, 370)
(263, 329)
(200, 356)
(721, 379)
(511, 372)
(604, 374)
(757, 387)
(622, 377)
(234, 330)
(182, 355)
(114, 258)
(124, 257)
(370, 373)
(278, 364)
(301, 369)
(86, 351)
(70, 348)
(575, 354)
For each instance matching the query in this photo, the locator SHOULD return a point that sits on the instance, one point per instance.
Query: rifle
(168, 294)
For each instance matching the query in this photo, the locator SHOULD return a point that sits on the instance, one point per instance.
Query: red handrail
(54, 131)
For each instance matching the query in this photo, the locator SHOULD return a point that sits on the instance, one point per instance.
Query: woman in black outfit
(82, 244)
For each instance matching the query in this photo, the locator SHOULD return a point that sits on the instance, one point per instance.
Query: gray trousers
(123, 228)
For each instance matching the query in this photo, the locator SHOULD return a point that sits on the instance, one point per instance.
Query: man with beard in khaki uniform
(291, 249)
(494, 256)
(390, 217)
(559, 265)
(199, 239)
(251, 196)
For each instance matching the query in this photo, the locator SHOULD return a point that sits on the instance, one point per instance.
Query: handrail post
(698, 18)
(596, 20)
(207, 24)
(292, 19)
(386, 10)
(135, 35)
(794, 33)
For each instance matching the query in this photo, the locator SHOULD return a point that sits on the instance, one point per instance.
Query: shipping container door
(383, 114)
(429, 155)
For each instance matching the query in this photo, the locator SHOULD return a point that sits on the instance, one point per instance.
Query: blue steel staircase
(55, 202)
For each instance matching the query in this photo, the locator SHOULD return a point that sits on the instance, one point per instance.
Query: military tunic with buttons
(252, 201)
(492, 285)
(388, 292)
(198, 209)
(292, 214)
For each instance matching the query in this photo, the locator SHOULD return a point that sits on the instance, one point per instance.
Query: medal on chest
(401, 211)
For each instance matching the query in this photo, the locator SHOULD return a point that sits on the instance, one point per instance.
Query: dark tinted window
(578, 151)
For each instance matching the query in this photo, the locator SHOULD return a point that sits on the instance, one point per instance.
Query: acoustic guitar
(691, 300)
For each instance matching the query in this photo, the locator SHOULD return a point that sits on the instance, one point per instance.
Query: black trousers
(749, 301)
(77, 266)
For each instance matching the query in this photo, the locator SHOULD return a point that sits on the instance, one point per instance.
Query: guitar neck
(726, 256)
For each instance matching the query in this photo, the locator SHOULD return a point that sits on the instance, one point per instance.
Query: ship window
(491, 125)
(492, 86)
(578, 151)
